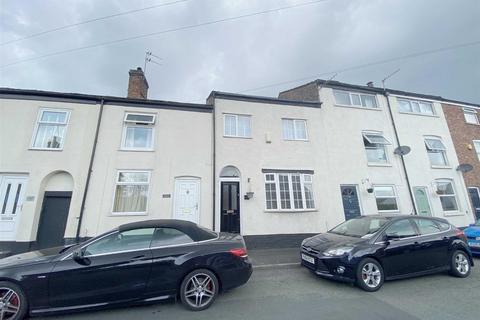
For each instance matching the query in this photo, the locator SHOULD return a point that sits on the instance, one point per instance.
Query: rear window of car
(168, 237)
(427, 226)
(444, 226)
(401, 229)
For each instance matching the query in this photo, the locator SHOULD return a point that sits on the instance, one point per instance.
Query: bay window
(289, 191)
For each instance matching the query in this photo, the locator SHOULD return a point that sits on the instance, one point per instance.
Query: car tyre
(370, 275)
(460, 264)
(13, 301)
(199, 289)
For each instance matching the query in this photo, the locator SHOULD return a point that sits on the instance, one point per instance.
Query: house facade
(73, 166)
(464, 123)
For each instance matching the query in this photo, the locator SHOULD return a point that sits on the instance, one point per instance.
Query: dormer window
(355, 99)
(138, 132)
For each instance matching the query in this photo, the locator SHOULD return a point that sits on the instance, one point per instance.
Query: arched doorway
(58, 188)
(230, 200)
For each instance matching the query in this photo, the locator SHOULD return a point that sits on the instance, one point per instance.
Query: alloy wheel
(200, 290)
(9, 304)
(461, 263)
(371, 275)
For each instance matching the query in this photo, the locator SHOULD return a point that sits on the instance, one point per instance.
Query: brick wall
(307, 92)
(462, 134)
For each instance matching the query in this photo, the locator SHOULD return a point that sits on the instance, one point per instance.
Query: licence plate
(474, 244)
(308, 258)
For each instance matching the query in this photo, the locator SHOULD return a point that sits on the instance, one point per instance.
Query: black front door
(351, 206)
(475, 198)
(230, 208)
(53, 219)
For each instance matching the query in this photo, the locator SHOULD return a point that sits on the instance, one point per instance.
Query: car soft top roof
(189, 228)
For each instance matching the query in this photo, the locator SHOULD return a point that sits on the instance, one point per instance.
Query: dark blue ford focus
(139, 262)
(371, 249)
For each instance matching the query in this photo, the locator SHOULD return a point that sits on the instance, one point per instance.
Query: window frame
(38, 122)
(379, 145)
(295, 138)
(431, 149)
(359, 95)
(138, 124)
(476, 147)
(410, 101)
(236, 115)
(454, 195)
(276, 182)
(148, 183)
(395, 196)
(473, 112)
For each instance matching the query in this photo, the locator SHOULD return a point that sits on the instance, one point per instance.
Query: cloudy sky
(249, 55)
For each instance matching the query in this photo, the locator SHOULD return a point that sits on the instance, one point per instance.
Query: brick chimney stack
(137, 84)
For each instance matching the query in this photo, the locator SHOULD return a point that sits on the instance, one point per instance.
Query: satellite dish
(402, 150)
(465, 167)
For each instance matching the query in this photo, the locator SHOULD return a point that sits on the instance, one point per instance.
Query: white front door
(187, 206)
(12, 192)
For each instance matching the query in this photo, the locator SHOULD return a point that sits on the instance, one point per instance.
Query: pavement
(281, 289)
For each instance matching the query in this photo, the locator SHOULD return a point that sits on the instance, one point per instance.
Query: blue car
(473, 236)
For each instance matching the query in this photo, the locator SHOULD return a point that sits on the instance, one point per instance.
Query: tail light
(461, 234)
(239, 252)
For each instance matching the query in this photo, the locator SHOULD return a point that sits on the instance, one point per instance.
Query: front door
(12, 192)
(475, 198)
(421, 201)
(53, 219)
(230, 208)
(351, 205)
(187, 192)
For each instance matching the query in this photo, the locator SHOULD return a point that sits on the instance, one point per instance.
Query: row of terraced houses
(75, 165)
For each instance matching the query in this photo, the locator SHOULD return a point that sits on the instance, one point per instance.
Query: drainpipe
(397, 139)
(89, 173)
(214, 162)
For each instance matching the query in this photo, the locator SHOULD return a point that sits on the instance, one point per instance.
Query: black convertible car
(370, 249)
(140, 262)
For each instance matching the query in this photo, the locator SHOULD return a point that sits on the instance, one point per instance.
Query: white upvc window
(476, 144)
(50, 130)
(355, 99)
(386, 198)
(375, 146)
(289, 191)
(131, 192)
(236, 125)
(446, 193)
(416, 106)
(138, 131)
(471, 116)
(436, 151)
(294, 129)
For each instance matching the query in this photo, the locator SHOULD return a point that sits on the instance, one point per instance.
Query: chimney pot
(370, 84)
(137, 84)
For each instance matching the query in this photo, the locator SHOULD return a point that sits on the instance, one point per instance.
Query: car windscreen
(363, 227)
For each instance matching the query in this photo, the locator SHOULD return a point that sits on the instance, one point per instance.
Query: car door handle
(137, 258)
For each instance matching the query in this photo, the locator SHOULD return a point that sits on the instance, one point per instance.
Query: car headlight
(338, 251)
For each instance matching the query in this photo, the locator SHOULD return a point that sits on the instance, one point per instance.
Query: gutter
(89, 173)
(397, 139)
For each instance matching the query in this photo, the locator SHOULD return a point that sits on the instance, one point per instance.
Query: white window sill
(45, 149)
(473, 124)
(291, 211)
(373, 164)
(296, 140)
(123, 214)
(137, 150)
(388, 211)
(237, 137)
(358, 107)
(453, 213)
(441, 167)
(420, 114)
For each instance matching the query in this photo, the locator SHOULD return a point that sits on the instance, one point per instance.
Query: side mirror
(79, 257)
